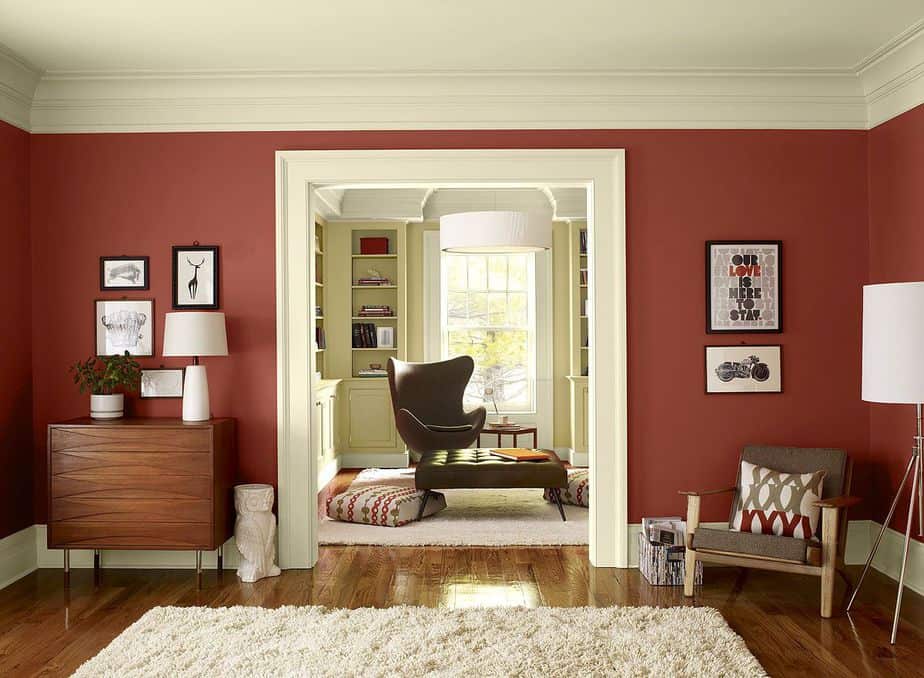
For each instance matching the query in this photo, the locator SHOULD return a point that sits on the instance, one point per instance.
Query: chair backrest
(799, 460)
(432, 392)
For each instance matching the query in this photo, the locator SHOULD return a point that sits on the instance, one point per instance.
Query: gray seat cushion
(747, 543)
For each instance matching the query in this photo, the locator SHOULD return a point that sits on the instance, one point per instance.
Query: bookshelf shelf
(375, 287)
(393, 348)
(375, 256)
(373, 318)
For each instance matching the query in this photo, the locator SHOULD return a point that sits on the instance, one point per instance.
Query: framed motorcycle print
(744, 369)
(744, 286)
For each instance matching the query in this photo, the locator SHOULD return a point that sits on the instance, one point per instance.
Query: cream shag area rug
(471, 518)
(417, 641)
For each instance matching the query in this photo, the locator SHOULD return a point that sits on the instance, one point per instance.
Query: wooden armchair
(770, 552)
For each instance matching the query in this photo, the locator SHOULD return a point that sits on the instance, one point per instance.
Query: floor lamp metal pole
(914, 470)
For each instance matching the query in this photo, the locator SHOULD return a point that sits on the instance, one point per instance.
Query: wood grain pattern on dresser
(141, 484)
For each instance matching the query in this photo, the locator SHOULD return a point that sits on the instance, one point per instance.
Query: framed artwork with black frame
(744, 369)
(124, 273)
(195, 276)
(124, 325)
(744, 286)
(162, 382)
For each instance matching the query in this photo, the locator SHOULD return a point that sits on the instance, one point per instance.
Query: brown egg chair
(427, 401)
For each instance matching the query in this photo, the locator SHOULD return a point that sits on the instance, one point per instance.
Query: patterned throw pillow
(578, 490)
(385, 505)
(773, 502)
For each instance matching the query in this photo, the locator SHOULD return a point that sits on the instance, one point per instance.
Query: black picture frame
(148, 396)
(744, 349)
(148, 328)
(145, 273)
(778, 282)
(181, 302)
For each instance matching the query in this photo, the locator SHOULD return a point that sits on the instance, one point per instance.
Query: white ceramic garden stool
(255, 532)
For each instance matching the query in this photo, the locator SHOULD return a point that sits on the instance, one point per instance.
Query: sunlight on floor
(468, 593)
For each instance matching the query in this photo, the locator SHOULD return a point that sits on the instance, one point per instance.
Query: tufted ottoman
(479, 469)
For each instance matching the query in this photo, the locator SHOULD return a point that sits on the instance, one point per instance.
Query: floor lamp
(893, 372)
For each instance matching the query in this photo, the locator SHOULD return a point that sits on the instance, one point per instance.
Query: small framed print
(162, 383)
(195, 277)
(744, 286)
(124, 325)
(744, 369)
(385, 337)
(123, 273)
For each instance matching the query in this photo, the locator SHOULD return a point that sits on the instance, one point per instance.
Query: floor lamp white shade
(496, 231)
(196, 334)
(893, 350)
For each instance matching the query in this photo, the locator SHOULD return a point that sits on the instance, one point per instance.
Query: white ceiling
(414, 35)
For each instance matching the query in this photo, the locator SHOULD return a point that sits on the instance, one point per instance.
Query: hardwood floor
(46, 629)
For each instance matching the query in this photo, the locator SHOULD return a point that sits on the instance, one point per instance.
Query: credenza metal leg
(221, 558)
(97, 560)
(67, 567)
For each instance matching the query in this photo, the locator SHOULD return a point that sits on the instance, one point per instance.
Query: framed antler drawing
(195, 276)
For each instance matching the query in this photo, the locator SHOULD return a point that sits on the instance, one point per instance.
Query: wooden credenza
(143, 483)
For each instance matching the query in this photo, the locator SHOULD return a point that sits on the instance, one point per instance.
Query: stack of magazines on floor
(661, 550)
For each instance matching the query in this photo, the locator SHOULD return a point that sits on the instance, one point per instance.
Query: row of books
(376, 311)
(320, 338)
(373, 281)
(364, 335)
(583, 235)
(371, 373)
(583, 276)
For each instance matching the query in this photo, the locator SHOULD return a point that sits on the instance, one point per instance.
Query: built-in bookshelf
(580, 312)
(318, 297)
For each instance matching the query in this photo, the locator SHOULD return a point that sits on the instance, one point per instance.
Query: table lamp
(893, 372)
(195, 334)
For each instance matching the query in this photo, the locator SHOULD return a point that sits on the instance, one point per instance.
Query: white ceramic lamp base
(196, 394)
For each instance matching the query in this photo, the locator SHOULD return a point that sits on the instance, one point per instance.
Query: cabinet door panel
(130, 534)
(139, 485)
(148, 510)
(141, 438)
(371, 419)
(111, 463)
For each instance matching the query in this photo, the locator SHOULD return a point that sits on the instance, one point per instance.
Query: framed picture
(385, 337)
(124, 325)
(744, 286)
(123, 273)
(162, 383)
(744, 369)
(195, 277)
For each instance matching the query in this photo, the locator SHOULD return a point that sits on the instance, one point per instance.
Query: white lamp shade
(893, 343)
(195, 333)
(497, 231)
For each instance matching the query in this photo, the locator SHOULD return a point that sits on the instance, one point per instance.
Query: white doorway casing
(600, 171)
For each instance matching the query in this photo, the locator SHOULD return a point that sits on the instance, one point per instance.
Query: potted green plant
(102, 377)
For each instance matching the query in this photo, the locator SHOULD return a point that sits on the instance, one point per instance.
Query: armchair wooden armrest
(704, 493)
(838, 502)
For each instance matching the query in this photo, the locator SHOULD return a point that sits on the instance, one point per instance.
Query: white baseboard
(326, 474)
(17, 555)
(374, 459)
(889, 557)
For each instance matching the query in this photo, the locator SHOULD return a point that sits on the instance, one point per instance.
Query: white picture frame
(162, 382)
(744, 369)
(385, 337)
(124, 325)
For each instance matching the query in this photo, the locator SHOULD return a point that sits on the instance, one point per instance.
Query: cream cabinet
(580, 418)
(367, 423)
(325, 429)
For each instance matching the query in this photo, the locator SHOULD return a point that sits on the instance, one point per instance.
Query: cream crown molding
(883, 85)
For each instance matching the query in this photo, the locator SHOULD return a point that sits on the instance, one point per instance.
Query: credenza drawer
(135, 486)
(130, 534)
(148, 510)
(140, 438)
(127, 464)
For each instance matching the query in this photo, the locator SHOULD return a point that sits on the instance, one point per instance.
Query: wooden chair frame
(822, 561)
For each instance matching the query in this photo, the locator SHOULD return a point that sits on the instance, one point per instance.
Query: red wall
(15, 328)
(142, 193)
(896, 247)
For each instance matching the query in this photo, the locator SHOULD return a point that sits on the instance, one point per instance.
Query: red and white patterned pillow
(773, 502)
(578, 490)
(384, 505)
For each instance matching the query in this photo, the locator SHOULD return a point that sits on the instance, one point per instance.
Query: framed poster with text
(744, 286)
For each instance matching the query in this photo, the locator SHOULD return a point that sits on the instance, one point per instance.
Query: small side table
(507, 430)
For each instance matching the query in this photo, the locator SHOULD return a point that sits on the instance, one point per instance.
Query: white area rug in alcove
(471, 518)
(417, 641)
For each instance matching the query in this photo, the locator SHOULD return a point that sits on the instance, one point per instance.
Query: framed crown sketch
(744, 286)
(124, 325)
(195, 277)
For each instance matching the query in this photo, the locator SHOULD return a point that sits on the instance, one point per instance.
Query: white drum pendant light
(494, 232)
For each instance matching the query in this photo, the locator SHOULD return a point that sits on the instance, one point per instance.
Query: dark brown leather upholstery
(425, 395)
(448, 469)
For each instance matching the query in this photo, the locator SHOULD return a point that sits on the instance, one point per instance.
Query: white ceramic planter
(107, 406)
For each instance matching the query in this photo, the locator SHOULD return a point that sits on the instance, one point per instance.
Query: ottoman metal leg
(423, 504)
(556, 492)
